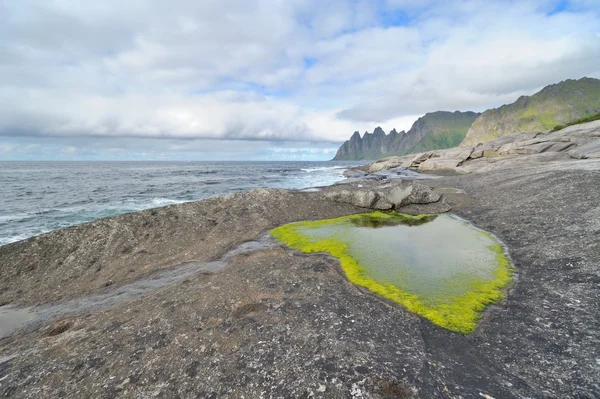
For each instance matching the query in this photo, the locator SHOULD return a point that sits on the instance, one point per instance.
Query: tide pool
(440, 267)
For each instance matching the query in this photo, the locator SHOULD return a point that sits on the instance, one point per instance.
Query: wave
(14, 238)
(10, 218)
(281, 170)
(7, 239)
(165, 201)
(110, 192)
(322, 168)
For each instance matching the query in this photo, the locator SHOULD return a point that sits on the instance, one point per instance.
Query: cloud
(272, 71)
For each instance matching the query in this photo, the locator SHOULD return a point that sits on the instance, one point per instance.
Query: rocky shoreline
(516, 150)
(279, 323)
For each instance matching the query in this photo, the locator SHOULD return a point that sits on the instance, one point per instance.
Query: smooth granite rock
(579, 141)
(277, 323)
(391, 196)
(590, 149)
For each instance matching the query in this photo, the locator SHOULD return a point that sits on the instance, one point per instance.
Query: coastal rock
(420, 194)
(475, 154)
(354, 173)
(123, 248)
(541, 147)
(419, 158)
(588, 150)
(439, 163)
(276, 315)
(391, 196)
(361, 198)
(578, 141)
(389, 163)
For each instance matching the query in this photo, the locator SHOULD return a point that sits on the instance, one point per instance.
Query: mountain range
(435, 130)
(556, 104)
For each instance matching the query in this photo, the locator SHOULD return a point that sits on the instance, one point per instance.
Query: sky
(267, 79)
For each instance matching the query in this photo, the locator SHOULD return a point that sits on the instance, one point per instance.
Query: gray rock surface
(590, 149)
(579, 142)
(383, 197)
(278, 323)
(70, 262)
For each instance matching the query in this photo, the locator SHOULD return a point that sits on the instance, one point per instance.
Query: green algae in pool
(440, 267)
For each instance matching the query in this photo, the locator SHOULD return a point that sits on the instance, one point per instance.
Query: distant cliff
(433, 131)
(557, 104)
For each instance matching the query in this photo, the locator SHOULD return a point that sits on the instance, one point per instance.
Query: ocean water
(38, 197)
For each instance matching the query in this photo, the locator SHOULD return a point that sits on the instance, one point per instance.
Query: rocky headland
(275, 323)
(556, 105)
(580, 141)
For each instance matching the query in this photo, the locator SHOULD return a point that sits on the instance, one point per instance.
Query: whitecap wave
(164, 202)
(322, 168)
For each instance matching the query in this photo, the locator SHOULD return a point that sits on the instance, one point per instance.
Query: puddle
(13, 319)
(440, 267)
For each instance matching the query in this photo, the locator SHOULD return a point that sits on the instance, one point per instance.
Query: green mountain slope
(439, 130)
(432, 131)
(557, 104)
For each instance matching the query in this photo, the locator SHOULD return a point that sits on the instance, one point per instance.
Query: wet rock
(354, 173)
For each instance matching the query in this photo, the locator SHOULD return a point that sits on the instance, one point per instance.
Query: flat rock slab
(588, 150)
(439, 163)
(277, 323)
(579, 142)
(78, 260)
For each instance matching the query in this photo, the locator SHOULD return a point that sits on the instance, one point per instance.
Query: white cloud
(274, 70)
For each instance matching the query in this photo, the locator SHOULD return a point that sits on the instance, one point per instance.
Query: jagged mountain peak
(435, 130)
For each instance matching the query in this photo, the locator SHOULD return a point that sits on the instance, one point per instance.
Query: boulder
(364, 198)
(459, 152)
(476, 154)
(416, 161)
(419, 194)
(389, 163)
(384, 198)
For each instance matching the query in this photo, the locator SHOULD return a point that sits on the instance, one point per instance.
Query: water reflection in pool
(438, 266)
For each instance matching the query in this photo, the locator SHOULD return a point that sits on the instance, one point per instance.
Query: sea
(38, 197)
